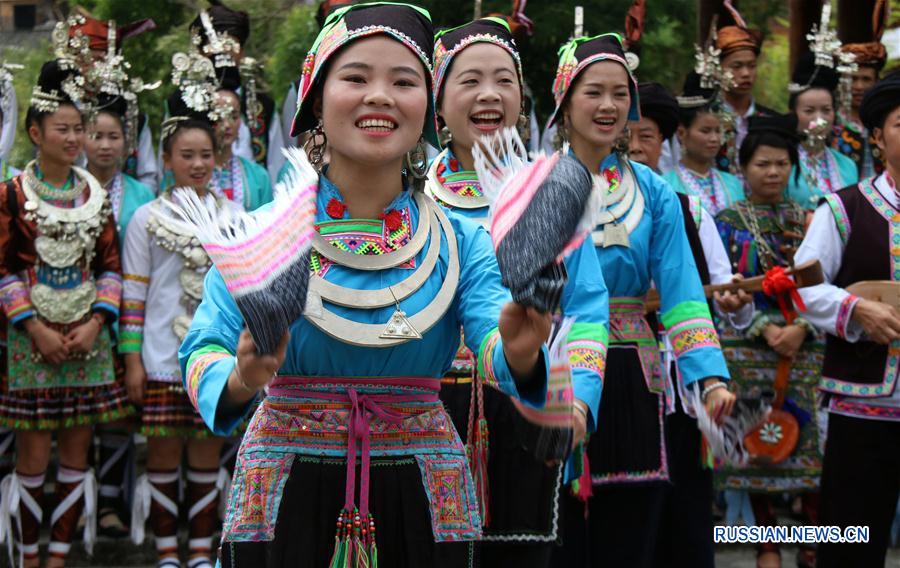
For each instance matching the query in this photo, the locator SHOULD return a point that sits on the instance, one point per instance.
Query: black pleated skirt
(523, 491)
(628, 444)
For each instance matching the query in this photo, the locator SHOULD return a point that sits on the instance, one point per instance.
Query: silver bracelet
(705, 394)
(581, 408)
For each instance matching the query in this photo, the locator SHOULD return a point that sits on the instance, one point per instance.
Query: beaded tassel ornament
(541, 210)
(264, 256)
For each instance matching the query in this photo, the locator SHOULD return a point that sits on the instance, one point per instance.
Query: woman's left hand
(790, 341)
(719, 404)
(524, 331)
(82, 338)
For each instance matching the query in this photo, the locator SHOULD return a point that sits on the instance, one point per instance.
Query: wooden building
(25, 15)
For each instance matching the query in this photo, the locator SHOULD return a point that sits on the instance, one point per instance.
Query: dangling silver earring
(417, 161)
(315, 146)
(445, 136)
(522, 127)
(623, 141)
(562, 135)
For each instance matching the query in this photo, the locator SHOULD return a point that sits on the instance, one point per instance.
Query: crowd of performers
(339, 348)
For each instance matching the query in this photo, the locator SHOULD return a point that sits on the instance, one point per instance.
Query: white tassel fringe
(228, 225)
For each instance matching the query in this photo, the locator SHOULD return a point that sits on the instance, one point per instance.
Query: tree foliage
(149, 54)
(773, 73)
(291, 41)
(23, 81)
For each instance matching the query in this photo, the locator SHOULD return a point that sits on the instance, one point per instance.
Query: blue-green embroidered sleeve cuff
(206, 381)
(695, 342)
(586, 346)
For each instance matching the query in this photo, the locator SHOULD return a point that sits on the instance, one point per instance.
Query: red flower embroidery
(454, 164)
(335, 209)
(392, 220)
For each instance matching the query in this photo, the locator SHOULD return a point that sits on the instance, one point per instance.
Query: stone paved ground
(742, 556)
(119, 554)
(109, 554)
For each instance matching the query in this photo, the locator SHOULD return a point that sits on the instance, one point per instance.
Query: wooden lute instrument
(807, 274)
(886, 291)
(774, 440)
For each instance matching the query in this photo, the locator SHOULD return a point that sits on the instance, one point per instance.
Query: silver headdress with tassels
(195, 77)
(708, 62)
(826, 47)
(250, 68)
(74, 48)
(73, 52)
(45, 101)
(823, 40)
(846, 66)
(109, 75)
(221, 50)
(708, 65)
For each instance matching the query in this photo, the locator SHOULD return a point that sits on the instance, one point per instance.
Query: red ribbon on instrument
(777, 283)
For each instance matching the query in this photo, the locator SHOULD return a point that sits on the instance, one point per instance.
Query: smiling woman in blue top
(641, 237)
(345, 373)
(478, 79)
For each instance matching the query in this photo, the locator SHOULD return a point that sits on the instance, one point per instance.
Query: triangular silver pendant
(615, 235)
(399, 327)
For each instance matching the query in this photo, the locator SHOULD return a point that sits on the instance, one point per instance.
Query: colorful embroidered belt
(321, 417)
(629, 328)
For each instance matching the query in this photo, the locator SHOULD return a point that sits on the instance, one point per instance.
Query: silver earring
(562, 136)
(315, 146)
(417, 161)
(522, 127)
(622, 143)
